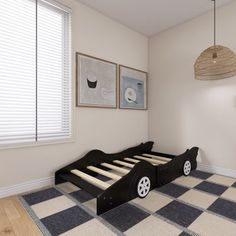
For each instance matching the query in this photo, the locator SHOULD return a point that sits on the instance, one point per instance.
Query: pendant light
(216, 62)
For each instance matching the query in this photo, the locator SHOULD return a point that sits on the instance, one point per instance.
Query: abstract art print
(133, 88)
(96, 82)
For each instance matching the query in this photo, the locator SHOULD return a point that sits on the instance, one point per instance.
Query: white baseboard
(40, 183)
(26, 186)
(217, 170)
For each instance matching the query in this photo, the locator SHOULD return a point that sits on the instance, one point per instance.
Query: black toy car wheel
(187, 168)
(143, 187)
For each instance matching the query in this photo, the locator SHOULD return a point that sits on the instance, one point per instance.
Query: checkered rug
(200, 204)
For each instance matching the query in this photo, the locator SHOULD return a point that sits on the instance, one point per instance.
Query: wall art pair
(97, 84)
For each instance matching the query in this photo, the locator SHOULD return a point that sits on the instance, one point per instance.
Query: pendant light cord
(214, 22)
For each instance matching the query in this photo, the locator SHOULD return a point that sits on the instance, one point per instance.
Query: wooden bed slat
(92, 180)
(131, 160)
(150, 160)
(158, 157)
(116, 168)
(103, 172)
(124, 163)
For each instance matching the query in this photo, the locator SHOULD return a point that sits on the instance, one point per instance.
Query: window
(35, 80)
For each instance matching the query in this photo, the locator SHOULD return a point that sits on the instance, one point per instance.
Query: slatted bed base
(116, 168)
(104, 173)
(153, 161)
(99, 183)
(124, 163)
(131, 160)
(130, 166)
(103, 185)
(157, 157)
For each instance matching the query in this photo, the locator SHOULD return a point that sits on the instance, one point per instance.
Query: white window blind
(35, 94)
(17, 71)
(53, 72)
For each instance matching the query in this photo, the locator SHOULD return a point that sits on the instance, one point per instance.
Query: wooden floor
(14, 220)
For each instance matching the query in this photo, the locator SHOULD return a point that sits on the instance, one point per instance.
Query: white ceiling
(150, 17)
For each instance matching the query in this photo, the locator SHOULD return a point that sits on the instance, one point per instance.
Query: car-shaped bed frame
(133, 173)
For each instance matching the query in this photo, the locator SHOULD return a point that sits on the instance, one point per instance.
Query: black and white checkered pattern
(200, 204)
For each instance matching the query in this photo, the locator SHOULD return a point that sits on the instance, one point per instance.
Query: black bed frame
(125, 189)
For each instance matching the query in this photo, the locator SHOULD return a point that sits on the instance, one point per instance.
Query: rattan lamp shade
(216, 62)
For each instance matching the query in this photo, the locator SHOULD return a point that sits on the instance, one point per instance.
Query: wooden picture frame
(132, 88)
(96, 82)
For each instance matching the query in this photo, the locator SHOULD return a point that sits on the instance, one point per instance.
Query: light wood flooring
(14, 220)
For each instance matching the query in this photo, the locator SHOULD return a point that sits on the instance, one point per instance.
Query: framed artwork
(133, 88)
(96, 82)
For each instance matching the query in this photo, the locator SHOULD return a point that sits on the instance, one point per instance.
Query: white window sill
(37, 144)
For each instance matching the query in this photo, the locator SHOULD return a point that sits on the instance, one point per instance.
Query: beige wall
(107, 129)
(183, 112)
(186, 112)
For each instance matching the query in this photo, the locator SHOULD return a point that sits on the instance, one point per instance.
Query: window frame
(71, 138)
